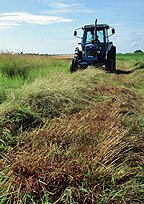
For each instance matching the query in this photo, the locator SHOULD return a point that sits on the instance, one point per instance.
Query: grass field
(71, 138)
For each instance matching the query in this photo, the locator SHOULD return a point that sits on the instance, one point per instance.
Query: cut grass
(87, 156)
(46, 99)
(73, 138)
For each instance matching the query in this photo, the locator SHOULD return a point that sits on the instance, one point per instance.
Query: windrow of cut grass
(91, 156)
(74, 138)
(46, 98)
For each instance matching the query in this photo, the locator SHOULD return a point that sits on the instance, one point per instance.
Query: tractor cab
(95, 48)
(92, 34)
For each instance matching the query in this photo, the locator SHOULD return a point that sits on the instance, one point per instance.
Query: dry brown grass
(80, 157)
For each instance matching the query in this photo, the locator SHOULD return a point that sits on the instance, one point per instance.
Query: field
(71, 138)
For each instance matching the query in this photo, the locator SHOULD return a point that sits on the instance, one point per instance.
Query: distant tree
(138, 51)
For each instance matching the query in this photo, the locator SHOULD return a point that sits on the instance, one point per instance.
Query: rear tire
(112, 56)
(109, 65)
(73, 66)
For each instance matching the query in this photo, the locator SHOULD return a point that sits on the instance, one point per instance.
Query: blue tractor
(95, 48)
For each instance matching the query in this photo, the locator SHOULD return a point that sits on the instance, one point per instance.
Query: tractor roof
(98, 26)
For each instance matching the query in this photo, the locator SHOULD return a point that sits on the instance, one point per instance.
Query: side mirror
(113, 31)
(75, 33)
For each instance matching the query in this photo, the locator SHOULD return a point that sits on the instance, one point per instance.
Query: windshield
(100, 36)
(90, 36)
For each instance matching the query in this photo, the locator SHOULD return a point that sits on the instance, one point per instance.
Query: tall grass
(19, 70)
(27, 67)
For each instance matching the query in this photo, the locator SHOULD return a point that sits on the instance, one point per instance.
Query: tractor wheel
(73, 65)
(112, 55)
(109, 65)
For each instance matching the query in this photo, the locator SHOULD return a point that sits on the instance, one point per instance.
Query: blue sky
(46, 26)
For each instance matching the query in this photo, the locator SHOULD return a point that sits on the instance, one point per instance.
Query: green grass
(18, 70)
(30, 67)
(71, 138)
(131, 57)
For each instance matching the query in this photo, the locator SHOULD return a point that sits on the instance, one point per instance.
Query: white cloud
(10, 20)
(133, 44)
(59, 5)
(6, 25)
(63, 6)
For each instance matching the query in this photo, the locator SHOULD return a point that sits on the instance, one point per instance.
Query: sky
(46, 26)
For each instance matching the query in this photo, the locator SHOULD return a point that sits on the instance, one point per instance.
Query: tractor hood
(91, 46)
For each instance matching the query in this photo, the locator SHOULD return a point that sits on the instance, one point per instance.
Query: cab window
(89, 36)
(100, 36)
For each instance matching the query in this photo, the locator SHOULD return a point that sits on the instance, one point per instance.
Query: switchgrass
(73, 138)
